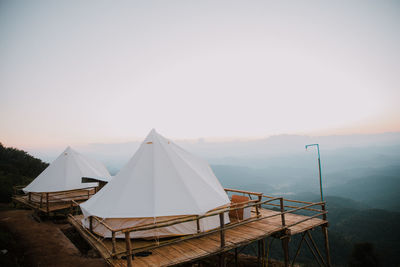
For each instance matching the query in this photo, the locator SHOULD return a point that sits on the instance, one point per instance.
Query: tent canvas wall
(160, 180)
(65, 173)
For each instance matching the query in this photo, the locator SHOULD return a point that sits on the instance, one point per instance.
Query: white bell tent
(161, 180)
(65, 173)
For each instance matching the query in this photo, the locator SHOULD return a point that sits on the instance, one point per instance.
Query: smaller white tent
(160, 181)
(66, 172)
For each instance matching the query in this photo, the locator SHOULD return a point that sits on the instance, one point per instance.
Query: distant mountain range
(245, 153)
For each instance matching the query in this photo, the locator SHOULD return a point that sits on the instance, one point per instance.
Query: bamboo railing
(46, 200)
(260, 201)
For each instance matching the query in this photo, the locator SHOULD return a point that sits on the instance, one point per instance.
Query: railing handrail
(215, 230)
(63, 192)
(291, 200)
(189, 218)
(289, 206)
(243, 191)
(178, 220)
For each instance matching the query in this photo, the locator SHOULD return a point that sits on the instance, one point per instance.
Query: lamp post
(319, 169)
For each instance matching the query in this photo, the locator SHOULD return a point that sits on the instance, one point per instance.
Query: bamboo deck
(54, 201)
(204, 245)
(33, 205)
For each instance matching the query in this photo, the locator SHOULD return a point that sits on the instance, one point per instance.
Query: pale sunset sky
(76, 72)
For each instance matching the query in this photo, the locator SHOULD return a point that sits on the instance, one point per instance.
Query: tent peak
(154, 136)
(68, 150)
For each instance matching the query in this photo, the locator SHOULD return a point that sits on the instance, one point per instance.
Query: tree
(364, 255)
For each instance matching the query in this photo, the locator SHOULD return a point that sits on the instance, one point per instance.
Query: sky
(79, 72)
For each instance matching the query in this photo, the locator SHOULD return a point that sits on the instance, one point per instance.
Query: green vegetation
(364, 255)
(16, 168)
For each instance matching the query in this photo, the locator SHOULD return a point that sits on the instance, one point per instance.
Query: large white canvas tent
(65, 173)
(160, 181)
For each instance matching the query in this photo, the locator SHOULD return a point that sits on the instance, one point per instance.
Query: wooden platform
(36, 206)
(201, 246)
(55, 201)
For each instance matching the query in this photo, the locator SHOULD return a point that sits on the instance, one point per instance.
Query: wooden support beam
(114, 242)
(285, 247)
(258, 207)
(222, 260)
(282, 212)
(328, 256)
(128, 249)
(91, 224)
(323, 207)
(236, 257)
(313, 252)
(47, 203)
(298, 248)
(263, 262)
(316, 248)
(30, 196)
(222, 226)
(268, 248)
(198, 225)
(325, 232)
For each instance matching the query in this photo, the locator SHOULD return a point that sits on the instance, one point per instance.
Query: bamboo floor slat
(200, 247)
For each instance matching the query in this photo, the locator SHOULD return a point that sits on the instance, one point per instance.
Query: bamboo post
(41, 200)
(285, 247)
(268, 249)
(91, 224)
(282, 212)
(328, 256)
(258, 207)
(198, 224)
(236, 257)
(325, 232)
(114, 242)
(47, 202)
(222, 262)
(257, 211)
(128, 249)
(222, 225)
(30, 196)
(263, 263)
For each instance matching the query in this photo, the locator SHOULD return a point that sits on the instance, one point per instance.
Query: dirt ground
(41, 243)
(30, 242)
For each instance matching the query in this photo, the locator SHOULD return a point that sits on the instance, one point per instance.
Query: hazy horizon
(234, 152)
